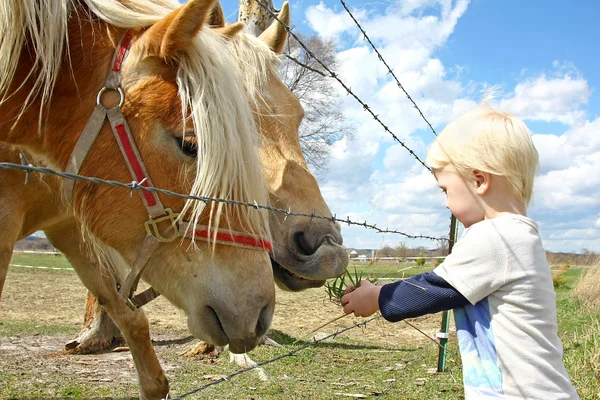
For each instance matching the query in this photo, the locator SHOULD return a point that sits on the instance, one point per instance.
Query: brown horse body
(156, 91)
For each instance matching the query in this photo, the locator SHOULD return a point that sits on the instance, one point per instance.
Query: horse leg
(6, 250)
(99, 331)
(133, 324)
(10, 226)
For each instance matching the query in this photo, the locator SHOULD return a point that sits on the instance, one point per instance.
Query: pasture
(42, 309)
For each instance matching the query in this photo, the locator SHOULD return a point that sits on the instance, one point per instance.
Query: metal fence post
(443, 333)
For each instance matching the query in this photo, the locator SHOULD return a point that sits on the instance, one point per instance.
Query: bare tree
(323, 122)
(402, 250)
(386, 251)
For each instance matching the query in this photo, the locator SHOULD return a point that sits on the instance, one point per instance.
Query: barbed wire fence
(28, 168)
(390, 70)
(328, 72)
(136, 186)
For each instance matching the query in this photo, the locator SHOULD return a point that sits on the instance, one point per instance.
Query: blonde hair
(220, 83)
(488, 140)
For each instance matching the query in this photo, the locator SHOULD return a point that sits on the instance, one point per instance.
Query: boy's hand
(363, 301)
(349, 289)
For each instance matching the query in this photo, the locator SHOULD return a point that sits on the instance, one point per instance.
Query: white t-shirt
(508, 335)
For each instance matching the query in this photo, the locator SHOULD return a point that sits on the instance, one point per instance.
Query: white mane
(218, 81)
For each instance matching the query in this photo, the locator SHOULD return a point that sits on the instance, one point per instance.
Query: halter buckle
(153, 230)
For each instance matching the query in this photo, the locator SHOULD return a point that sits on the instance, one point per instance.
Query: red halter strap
(156, 211)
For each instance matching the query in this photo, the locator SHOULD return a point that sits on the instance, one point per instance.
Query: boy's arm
(422, 294)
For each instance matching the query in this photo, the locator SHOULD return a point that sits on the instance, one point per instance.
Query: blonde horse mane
(225, 78)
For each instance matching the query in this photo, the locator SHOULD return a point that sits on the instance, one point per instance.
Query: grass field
(42, 309)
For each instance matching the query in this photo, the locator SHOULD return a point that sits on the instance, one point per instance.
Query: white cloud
(560, 151)
(397, 161)
(573, 187)
(413, 193)
(549, 99)
(569, 169)
(416, 30)
(374, 179)
(327, 22)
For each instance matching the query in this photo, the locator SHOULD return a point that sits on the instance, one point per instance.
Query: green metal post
(443, 333)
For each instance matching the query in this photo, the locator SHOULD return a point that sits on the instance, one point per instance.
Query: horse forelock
(219, 98)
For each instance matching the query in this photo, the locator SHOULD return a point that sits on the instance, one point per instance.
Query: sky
(446, 54)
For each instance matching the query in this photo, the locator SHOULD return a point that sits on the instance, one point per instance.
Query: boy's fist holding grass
(362, 300)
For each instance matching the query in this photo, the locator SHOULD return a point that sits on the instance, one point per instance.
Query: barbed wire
(368, 109)
(390, 71)
(272, 360)
(335, 76)
(389, 386)
(300, 63)
(303, 347)
(133, 186)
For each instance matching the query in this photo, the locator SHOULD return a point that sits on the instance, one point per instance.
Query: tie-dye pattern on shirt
(481, 373)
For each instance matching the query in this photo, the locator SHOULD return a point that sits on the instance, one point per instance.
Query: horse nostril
(302, 245)
(262, 326)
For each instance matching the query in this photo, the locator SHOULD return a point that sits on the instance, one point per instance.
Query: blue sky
(445, 53)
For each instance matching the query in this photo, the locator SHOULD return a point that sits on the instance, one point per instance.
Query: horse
(183, 96)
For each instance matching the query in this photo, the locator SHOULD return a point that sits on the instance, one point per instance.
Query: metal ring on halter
(104, 89)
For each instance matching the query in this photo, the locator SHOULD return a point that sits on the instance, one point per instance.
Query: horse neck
(85, 65)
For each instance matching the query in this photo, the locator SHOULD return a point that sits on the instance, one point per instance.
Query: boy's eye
(443, 190)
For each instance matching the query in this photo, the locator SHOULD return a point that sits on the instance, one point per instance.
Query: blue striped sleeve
(422, 294)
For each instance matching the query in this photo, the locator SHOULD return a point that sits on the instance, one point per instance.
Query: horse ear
(231, 30)
(276, 35)
(216, 19)
(176, 31)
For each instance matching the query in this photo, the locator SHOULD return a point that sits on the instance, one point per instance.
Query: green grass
(389, 269)
(325, 370)
(580, 335)
(23, 328)
(45, 260)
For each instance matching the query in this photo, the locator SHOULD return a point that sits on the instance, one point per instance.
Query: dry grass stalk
(587, 289)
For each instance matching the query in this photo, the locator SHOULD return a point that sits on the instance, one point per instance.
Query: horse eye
(188, 145)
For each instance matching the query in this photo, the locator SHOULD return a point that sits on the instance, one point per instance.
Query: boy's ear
(482, 181)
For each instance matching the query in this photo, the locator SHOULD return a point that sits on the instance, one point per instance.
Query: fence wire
(335, 76)
(368, 109)
(390, 71)
(135, 186)
(294, 351)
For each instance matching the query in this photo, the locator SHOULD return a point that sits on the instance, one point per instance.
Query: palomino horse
(188, 97)
(314, 247)
(306, 252)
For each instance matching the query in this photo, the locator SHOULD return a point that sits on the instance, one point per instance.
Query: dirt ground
(55, 299)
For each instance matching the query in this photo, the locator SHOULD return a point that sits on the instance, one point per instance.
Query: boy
(497, 278)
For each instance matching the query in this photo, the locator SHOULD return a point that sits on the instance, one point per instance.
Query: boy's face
(461, 196)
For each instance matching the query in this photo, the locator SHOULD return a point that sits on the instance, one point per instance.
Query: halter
(156, 211)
